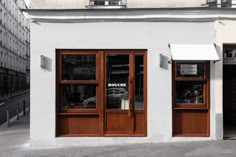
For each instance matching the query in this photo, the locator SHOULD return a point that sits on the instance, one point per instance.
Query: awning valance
(194, 52)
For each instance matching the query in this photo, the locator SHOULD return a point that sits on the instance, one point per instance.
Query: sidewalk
(181, 149)
(15, 136)
(14, 142)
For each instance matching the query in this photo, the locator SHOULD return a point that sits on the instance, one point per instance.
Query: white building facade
(14, 47)
(75, 4)
(115, 76)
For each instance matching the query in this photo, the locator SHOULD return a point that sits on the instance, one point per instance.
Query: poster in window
(188, 69)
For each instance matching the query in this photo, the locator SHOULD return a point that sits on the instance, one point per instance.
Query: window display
(190, 92)
(190, 82)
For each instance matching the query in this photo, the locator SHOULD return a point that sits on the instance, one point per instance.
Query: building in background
(14, 48)
(134, 71)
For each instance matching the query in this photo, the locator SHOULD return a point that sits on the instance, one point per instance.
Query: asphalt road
(11, 103)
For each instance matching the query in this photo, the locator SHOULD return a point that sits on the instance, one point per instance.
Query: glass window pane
(79, 96)
(190, 92)
(139, 82)
(79, 67)
(190, 69)
(117, 76)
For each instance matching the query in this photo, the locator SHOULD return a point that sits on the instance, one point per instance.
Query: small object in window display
(187, 96)
(124, 104)
(198, 97)
(194, 96)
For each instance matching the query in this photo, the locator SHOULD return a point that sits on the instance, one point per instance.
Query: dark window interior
(117, 72)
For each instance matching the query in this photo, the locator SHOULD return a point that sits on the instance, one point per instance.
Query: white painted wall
(130, 3)
(154, 36)
(57, 4)
(164, 3)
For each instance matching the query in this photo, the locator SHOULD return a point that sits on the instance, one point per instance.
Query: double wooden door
(101, 93)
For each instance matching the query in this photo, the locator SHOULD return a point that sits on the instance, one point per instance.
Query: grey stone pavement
(14, 142)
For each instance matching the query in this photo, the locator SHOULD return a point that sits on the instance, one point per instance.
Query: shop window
(79, 67)
(117, 81)
(101, 93)
(78, 81)
(139, 77)
(189, 92)
(79, 96)
(191, 98)
(190, 83)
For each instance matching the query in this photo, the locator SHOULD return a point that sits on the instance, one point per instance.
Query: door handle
(130, 111)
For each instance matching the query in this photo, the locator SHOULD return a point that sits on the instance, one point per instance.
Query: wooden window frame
(191, 120)
(206, 86)
(99, 112)
(61, 82)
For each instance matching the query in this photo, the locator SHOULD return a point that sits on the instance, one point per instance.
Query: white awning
(194, 52)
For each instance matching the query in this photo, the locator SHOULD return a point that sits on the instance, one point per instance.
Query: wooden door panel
(190, 123)
(78, 125)
(139, 126)
(117, 123)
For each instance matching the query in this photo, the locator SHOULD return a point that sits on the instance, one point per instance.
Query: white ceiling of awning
(193, 52)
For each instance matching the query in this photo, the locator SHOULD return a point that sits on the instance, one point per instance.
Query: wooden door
(124, 93)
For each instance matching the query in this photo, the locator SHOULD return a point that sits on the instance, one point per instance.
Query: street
(11, 104)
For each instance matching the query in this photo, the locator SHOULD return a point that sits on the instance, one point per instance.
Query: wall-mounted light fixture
(45, 63)
(164, 61)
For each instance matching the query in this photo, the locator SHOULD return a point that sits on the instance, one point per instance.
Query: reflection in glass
(190, 70)
(79, 96)
(190, 92)
(79, 67)
(139, 82)
(117, 76)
